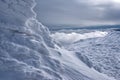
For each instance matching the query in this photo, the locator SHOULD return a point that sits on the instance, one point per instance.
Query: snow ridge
(23, 47)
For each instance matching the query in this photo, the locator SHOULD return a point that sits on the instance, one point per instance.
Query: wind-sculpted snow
(102, 53)
(27, 52)
(23, 44)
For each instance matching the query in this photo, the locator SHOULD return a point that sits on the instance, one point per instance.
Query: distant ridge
(60, 27)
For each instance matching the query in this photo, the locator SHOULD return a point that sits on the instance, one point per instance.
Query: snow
(27, 51)
(102, 54)
(70, 59)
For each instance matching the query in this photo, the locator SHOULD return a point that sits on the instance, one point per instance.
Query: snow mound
(24, 42)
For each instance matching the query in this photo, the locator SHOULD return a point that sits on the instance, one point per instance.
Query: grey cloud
(71, 12)
(112, 14)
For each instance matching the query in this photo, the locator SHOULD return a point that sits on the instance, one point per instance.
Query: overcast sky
(78, 12)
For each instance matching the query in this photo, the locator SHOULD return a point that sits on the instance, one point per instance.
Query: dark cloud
(77, 12)
(112, 14)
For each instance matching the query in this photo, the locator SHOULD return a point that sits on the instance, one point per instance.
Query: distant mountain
(60, 27)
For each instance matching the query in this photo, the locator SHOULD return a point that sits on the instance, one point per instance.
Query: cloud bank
(78, 12)
(69, 38)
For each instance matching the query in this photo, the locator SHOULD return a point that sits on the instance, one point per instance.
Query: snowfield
(27, 51)
(101, 53)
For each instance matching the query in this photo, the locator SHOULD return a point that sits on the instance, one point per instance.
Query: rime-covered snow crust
(103, 54)
(27, 52)
(23, 43)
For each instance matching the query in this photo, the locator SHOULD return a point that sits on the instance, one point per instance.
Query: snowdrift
(103, 54)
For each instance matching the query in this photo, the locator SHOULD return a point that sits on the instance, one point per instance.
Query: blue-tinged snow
(101, 53)
(27, 51)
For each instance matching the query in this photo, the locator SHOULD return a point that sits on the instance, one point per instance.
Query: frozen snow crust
(101, 53)
(27, 52)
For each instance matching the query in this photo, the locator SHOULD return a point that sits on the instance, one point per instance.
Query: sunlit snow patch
(74, 37)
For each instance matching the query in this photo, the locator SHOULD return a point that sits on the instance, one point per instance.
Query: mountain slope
(103, 54)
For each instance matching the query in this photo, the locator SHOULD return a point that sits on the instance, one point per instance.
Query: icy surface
(103, 54)
(27, 52)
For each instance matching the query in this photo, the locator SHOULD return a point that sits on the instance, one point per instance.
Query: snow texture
(27, 52)
(103, 54)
